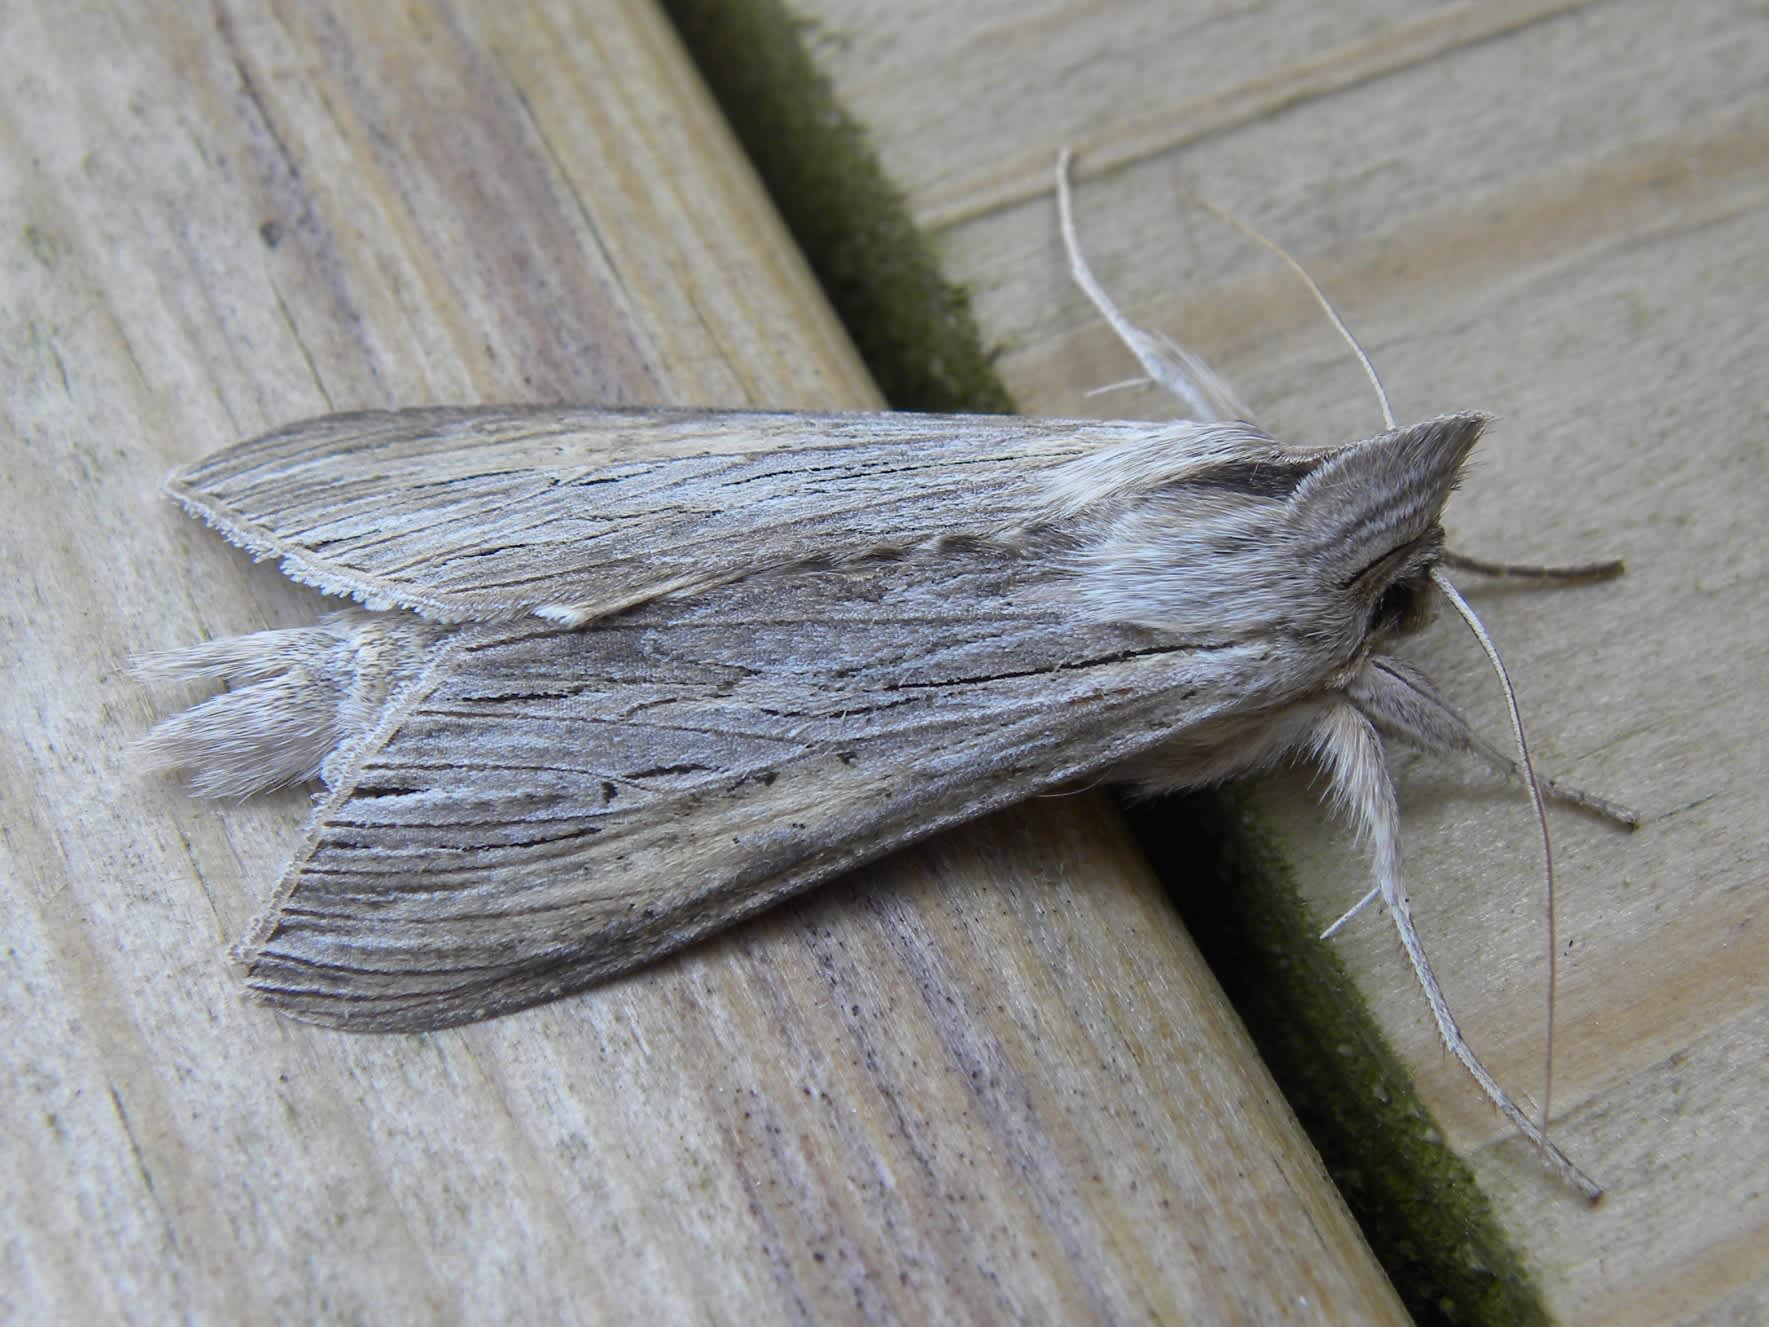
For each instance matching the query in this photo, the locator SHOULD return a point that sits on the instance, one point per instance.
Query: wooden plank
(987, 1081)
(1552, 211)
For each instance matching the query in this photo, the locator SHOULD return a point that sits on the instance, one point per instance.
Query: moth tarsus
(621, 677)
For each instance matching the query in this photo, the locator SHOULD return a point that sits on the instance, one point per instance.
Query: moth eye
(1383, 613)
(1399, 608)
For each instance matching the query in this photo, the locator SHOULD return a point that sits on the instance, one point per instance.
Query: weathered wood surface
(988, 1081)
(1552, 211)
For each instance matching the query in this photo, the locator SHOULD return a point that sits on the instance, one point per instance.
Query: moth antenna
(1206, 395)
(1347, 745)
(1320, 298)
(1447, 586)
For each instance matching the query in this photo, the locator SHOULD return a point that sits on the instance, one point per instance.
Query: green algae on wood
(913, 328)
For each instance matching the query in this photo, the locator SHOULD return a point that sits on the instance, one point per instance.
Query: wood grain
(987, 1082)
(1552, 211)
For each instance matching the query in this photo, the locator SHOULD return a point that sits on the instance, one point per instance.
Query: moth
(620, 677)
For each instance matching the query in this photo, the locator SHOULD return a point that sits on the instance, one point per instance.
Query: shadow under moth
(622, 677)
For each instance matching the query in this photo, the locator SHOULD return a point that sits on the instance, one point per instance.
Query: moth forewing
(494, 513)
(547, 807)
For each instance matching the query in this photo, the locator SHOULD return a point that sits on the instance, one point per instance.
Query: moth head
(1247, 539)
(1367, 522)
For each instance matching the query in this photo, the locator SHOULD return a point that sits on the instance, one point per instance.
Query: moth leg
(1401, 701)
(1572, 574)
(1207, 397)
(1345, 918)
(1348, 749)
